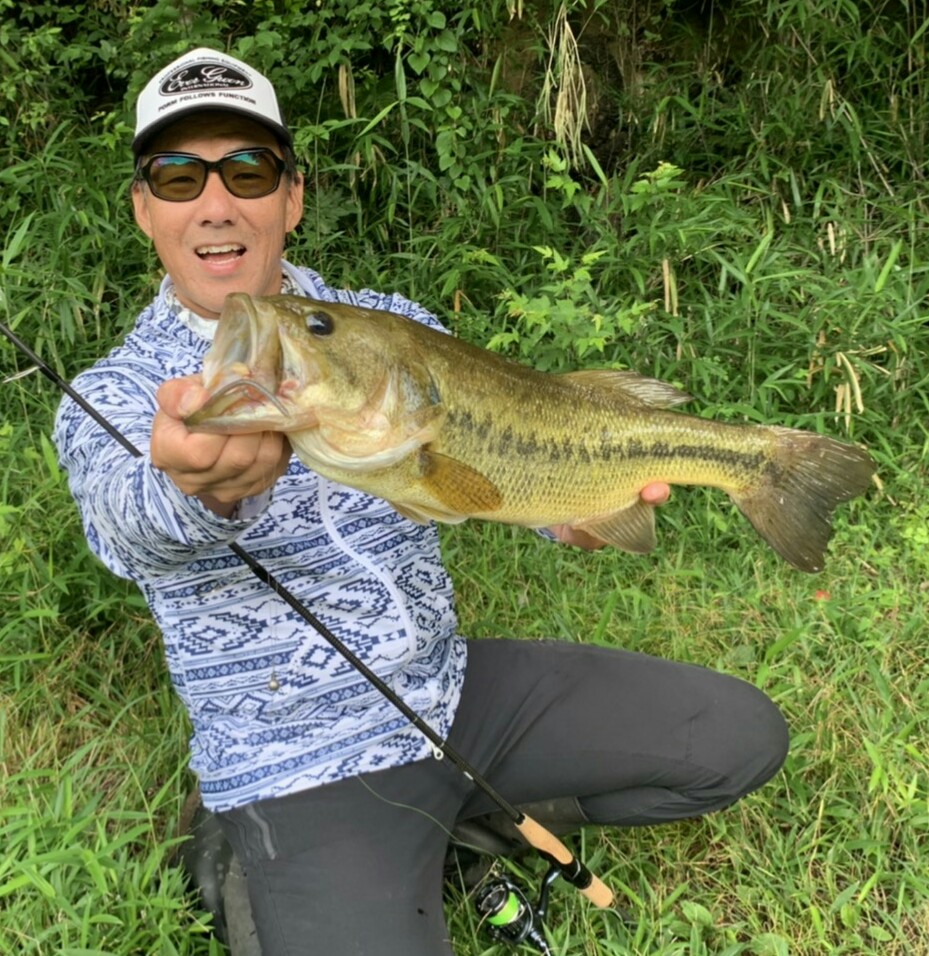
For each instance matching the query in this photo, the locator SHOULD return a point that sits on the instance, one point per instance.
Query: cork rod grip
(546, 842)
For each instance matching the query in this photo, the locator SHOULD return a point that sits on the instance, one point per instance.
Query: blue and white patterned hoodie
(274, 709)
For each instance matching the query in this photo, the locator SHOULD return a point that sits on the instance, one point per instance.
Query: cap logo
(204, 76)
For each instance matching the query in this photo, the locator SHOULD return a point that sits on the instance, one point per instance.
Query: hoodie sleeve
(137, 521)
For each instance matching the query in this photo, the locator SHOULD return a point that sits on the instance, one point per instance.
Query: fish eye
(319, 323)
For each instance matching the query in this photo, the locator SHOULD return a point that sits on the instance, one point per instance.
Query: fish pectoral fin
(459, 486)
(632, 529)
(648, 391)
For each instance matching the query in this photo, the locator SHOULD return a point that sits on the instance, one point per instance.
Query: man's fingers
(180, 397)
(656, 493)
(175, 449)
(226, 467)
(248, 465)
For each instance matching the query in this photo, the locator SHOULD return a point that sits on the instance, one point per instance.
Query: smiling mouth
(220, 253)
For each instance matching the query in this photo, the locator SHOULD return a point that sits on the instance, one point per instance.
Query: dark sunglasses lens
(176, 178)
(251, 174)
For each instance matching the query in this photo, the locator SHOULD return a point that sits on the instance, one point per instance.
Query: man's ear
(294, 211)
(140, 209)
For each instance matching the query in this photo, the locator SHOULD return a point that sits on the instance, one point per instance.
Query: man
(332, 801)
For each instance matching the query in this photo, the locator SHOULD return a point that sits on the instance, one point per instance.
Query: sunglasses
(180, 177)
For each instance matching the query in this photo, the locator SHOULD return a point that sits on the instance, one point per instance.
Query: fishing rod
(504, 909)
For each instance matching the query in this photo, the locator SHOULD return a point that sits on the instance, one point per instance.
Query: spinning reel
(509, 915)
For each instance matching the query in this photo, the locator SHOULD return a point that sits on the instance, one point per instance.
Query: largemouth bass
(444, 430)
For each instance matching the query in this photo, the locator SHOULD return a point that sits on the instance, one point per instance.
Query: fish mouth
(251, 381)
(234, 398)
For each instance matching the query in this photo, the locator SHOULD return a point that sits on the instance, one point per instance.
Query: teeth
(217, 250)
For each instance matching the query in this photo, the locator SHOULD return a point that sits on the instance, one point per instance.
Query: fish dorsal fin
(649, 391)
(459, 486)
(632, 529)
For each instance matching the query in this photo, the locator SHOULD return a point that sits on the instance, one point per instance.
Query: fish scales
(620, 447)
(447, 431)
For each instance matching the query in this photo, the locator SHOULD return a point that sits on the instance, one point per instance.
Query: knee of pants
(746, 741)
(737, 741)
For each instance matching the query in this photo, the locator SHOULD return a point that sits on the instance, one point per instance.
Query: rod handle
(546, 842)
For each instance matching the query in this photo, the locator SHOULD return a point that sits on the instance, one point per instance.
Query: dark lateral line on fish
(553, 849)
(512, 442)
(725, 456)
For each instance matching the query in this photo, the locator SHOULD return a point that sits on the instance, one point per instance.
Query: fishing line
(560, 858)
(400, 805)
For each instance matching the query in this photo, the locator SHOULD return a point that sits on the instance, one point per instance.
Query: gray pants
(355, 867)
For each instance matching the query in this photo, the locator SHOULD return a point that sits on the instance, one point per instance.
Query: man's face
(217, 243)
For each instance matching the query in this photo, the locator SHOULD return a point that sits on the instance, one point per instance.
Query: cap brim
(281, 133)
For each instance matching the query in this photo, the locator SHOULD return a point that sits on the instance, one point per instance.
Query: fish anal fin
(648, 391)
(632, 529)
(463, 489)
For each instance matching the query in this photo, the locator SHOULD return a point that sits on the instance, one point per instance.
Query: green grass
(827, 858)
(749, 222)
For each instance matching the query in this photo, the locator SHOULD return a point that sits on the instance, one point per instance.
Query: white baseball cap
(206, 80)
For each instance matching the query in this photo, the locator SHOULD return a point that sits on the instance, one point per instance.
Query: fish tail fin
(792, 506)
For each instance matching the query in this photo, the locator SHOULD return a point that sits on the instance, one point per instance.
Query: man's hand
(220, 470)
(657, 493)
